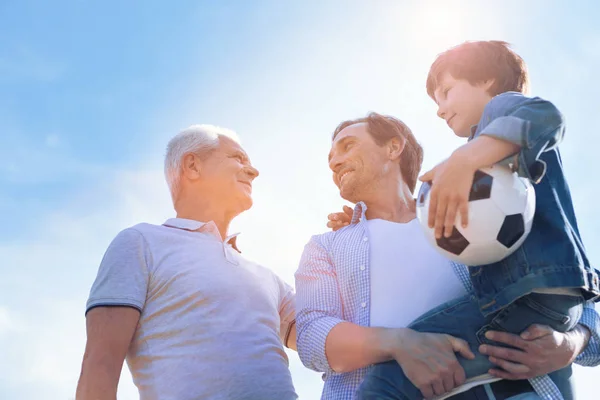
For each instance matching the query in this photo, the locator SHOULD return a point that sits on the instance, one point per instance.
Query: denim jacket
(553, 255)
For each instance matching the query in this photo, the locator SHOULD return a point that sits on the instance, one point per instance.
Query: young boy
(479, 88)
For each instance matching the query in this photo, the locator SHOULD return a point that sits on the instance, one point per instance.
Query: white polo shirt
(211, 323)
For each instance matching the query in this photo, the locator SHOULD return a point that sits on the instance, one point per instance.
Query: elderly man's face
(228, 174)
(357, 162)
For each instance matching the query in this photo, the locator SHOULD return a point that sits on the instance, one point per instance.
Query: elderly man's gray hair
(197, 139)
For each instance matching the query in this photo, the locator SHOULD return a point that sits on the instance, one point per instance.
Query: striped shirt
(333, 286)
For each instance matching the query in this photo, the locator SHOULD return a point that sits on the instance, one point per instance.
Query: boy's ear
(395, 147)
(487, 85)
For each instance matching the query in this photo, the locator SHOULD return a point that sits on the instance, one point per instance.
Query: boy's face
(460, 103)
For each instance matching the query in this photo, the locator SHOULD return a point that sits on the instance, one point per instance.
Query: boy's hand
(451, 183)
(340, 219)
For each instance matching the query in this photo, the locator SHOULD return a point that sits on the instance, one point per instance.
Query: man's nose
(335, 163)
(252, 172)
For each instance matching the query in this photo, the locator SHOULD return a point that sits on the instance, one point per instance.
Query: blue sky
(90, 92)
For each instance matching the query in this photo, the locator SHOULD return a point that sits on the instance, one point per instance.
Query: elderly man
(194, 319)
(358, 288)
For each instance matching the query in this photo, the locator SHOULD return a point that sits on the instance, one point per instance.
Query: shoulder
(508, 100)
(135, 238)
(511, 100)
(330, 239)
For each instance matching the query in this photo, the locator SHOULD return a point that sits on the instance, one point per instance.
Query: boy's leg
(560, 312)
(461, 318)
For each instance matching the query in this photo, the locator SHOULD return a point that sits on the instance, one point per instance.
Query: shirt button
(362, 267)
(365, 239)
(363, 304)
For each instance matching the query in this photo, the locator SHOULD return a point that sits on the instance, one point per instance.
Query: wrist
(467, 163)
(580, 335)
(392, 342)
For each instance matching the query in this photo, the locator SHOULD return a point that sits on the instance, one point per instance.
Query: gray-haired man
(193, 317)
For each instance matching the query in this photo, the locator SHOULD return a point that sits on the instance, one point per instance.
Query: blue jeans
(461, 318)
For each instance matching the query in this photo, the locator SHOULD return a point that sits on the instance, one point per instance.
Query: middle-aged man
(359, 287)
(194, 318)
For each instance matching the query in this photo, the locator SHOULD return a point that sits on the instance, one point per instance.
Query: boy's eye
(446, 91)
(348, 146)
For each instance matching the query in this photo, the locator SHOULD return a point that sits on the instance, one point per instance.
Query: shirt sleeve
(318, 305)
(287, 308)
(122, 278)
(534, 124)
(590, 357)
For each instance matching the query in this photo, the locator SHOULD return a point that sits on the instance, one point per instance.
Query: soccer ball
(501, 208)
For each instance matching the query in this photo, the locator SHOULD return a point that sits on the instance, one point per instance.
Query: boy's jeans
(461, 318)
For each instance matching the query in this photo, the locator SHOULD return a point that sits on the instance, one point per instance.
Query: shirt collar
(199, 226)
(360, 210)
(473, 130)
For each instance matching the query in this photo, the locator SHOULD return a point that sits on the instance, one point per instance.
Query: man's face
(357, 162)
(228, 174)
(460, 103)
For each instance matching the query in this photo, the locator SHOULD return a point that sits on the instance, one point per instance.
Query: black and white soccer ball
(501, 208)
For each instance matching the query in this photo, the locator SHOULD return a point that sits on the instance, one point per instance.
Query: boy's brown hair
(478, 62)
(383, 128)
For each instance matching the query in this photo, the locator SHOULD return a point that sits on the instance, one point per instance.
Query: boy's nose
(441, 112)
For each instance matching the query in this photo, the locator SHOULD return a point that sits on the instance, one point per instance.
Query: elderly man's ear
(191, 166)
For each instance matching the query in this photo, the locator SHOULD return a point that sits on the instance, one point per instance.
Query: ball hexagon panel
(485, 220)
(510, 193)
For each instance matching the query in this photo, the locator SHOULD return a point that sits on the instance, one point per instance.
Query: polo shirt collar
(193, 225)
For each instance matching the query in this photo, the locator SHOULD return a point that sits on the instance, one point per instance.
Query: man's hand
(539, 351)
(340, 219)
(429, 359)
(451, 183)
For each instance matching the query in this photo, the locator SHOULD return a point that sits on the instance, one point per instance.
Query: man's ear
(191, 166)
(395, 147)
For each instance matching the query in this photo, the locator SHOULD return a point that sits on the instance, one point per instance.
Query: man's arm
(327, 343)
(113, 312)
(287, 314)
(590, 356)
(290, 337)
(109, 333)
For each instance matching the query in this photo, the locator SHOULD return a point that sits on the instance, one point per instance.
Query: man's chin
(349, 194)
(247, 204)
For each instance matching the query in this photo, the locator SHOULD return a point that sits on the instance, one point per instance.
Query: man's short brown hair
(478, 62)
(383, 128)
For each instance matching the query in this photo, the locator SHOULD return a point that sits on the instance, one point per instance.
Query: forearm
(290, 338)
(97, 382)
(349, 347)
(579, 338)
(589, 355)
(485, 151)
